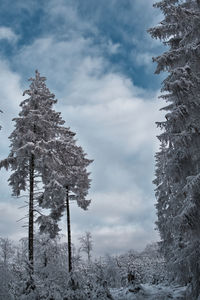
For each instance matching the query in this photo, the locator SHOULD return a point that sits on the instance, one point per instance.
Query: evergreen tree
(178, 161)
(37, 125)
(69, 181)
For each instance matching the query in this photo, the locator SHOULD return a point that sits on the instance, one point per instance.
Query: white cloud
(58, 59)
(113, 48)
(11, 96)
(143, 59)
(10, 213)
(7, 33)
(66, 16)
(119, 238)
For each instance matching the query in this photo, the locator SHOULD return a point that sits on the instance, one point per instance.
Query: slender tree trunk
(68, 231)
(31, 210)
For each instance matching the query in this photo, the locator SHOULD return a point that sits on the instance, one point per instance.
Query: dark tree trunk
(45, 259)
(68, 231)
(31, 210)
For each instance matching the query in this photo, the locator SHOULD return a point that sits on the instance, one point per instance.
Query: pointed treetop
(37, 77)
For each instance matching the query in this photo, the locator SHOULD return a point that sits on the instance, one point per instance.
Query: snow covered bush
(51, 279)
(142, 267)
(6, 280)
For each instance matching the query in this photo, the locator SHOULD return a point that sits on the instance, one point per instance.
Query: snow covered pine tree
(178, 161)
(68, 181)
(35, 128)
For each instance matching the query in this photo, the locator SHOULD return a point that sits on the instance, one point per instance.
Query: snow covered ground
(150, 292)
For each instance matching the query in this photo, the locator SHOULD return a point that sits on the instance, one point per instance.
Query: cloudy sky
(97, 57)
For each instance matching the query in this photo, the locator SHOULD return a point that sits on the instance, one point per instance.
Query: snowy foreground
(150, 292)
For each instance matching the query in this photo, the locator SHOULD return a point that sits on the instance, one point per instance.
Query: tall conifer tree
(69, 181)
(178, 161)
(35, 127)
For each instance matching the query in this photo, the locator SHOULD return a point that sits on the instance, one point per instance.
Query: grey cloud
(9, 214)
(11, 96)
(7, 33)
(121, 239)
(114, 217)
